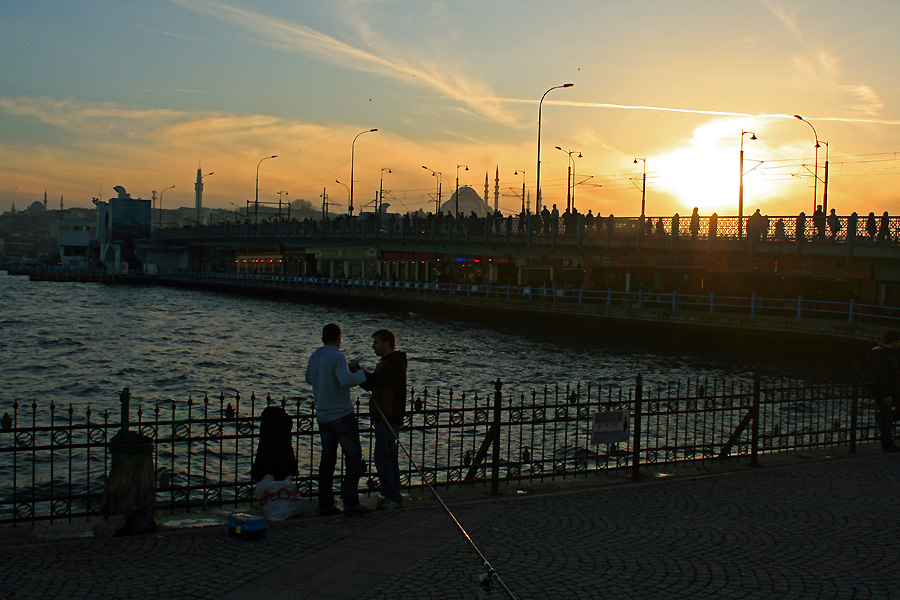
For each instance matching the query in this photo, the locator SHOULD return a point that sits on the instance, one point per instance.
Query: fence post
(799, 306)
(753, 305)
(754, 432)
(495, 457)
(852, 307)
(636, 444)
(854, 406)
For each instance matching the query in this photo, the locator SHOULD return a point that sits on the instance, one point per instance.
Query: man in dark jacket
(885, 368)
(387, 407)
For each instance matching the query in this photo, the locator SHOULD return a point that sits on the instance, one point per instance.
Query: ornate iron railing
(57, 461)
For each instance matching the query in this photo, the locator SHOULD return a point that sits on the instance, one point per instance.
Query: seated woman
(274, 466)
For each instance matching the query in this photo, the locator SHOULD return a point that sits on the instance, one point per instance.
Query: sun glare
(706, 172)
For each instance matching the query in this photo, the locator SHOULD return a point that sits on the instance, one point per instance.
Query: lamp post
(741, 185)
(256, 204)
(352, 150)
(280, 196)
(570, 178)
(643, 186)
(380, 198)
(540, 108)
(198, 191)
(159, 223)
(457, 187)
(816, 166)
(825, 182)
(437, 199)
(523, 188)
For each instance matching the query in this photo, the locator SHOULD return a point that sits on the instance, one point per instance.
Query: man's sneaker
(388, 504)
(327, 512)
(357, 511)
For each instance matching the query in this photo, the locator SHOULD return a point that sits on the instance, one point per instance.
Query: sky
(95, 94)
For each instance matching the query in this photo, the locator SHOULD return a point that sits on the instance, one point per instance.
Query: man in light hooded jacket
(330, 377)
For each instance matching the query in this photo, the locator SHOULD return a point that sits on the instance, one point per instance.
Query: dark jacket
(275, 454)
(885, 371)
(388, 386)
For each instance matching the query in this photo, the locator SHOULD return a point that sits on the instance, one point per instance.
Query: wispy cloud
(476, 96)
(700, 111)
(819, 62)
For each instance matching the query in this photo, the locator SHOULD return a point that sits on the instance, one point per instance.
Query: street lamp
(457, 187)
(570, 178)
(280, 196)
(825, 182)
(352, 150)
(741, 186)
(256, 204)
(523, 188)
(380, 199)
(816, 166)
(198, 192)
(540, 108)
(345, 186)
(643, 186)
(437, 199)
(159, 224)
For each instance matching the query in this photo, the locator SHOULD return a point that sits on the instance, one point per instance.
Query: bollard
(129, 496)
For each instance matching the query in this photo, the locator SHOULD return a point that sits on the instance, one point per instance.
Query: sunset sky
(95, 94)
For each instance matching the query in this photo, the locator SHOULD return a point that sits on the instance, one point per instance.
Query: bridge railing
(56, 461)
(796, 307)
(860, 230)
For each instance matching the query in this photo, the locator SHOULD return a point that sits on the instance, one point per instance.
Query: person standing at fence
(331, 379)
(387, 407)
(885, 371)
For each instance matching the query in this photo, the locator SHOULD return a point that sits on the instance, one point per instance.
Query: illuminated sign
(408, 255)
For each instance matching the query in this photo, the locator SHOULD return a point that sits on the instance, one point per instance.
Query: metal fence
(881, 230)
(57, 461)
(797, 307)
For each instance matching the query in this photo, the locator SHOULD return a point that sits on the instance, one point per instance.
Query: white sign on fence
(610, 427)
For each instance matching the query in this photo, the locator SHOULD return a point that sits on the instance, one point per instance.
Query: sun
(706, 171)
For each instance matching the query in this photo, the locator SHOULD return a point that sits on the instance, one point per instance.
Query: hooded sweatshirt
(388, 386)
(331, 380)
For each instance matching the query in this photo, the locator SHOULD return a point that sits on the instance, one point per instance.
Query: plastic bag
(280, 500)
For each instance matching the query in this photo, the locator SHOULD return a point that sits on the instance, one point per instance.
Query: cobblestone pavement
(822, 529)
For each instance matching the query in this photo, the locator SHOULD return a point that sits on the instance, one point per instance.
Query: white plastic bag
(280, 500)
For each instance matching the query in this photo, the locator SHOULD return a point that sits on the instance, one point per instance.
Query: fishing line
(491, 575)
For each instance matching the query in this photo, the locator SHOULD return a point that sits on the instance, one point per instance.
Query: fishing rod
(487, 581)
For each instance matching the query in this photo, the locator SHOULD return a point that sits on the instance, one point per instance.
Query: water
(79, 344)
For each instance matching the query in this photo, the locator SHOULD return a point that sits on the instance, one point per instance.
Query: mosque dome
(36, 206)
(469, 202)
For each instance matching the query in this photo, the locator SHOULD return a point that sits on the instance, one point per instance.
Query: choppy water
(80, 344)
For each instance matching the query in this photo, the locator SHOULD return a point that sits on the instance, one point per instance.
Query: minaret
(60, 203)
(528, 202)
(497, 189)
(45, 199)
(486, 188)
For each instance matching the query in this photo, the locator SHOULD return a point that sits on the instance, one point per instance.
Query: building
(120, 223)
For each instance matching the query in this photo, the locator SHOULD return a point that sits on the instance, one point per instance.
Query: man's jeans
(343, 432)
(386, 460)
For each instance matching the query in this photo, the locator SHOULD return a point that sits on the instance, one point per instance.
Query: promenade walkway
(817, 528)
